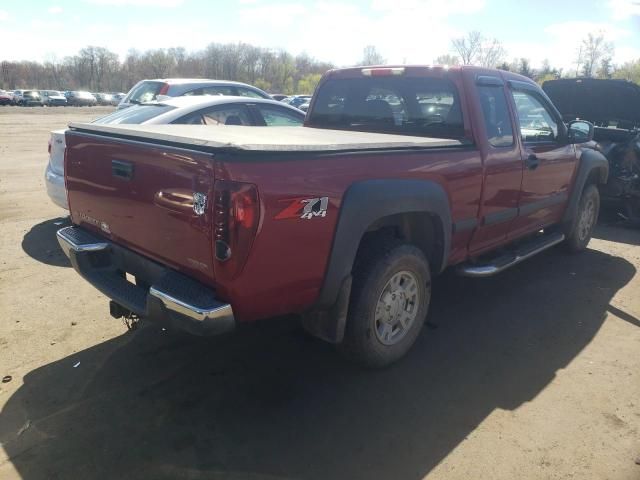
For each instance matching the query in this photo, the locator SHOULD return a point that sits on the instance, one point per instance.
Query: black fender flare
(589, 161)
(363, 204)
(366, 202)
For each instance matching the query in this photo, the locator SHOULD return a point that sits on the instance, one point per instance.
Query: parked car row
(56, 98)
(146, 91)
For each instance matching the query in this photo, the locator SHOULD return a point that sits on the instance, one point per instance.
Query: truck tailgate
(142, 197)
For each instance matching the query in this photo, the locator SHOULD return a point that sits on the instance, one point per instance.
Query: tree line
(97, 69)
(594, 58)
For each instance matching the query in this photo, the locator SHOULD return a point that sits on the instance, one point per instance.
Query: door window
(496, 116)
(279, 117)
(227, 115)
(247, 92)
(536, 121)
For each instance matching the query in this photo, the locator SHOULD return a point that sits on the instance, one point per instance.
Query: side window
(227, 115)
(496, 116)
(279, 117)
(193, 93)
(247, 92)
(536, 122)
(217, 90)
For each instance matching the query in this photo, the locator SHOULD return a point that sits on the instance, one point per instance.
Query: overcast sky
(405, 31)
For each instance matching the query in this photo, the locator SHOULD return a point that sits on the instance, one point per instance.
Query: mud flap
(328, 325)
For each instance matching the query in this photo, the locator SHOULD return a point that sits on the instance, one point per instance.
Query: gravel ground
(534, 374)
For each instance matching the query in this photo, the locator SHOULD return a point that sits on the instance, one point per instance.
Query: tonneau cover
(266, 139)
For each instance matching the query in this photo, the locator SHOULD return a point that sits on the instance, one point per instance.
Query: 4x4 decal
(306, 208)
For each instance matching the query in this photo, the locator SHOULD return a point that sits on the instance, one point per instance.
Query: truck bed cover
(265, 139)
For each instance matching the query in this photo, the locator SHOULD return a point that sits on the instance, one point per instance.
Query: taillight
(236, 215)
(164, 89)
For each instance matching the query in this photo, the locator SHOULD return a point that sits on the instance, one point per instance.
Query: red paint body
(284, 271)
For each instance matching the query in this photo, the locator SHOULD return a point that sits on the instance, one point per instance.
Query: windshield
(135, 114)
(145, 92)
(400, 105)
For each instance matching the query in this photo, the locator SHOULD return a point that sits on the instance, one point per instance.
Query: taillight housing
(164, 89)
(236, 216)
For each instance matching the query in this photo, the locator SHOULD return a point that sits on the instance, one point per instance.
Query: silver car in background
(53, 98)
(217, 111)
(150, 90)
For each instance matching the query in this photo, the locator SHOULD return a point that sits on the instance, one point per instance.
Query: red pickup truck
(398, 173)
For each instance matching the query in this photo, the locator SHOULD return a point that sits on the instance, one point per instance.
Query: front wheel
(585, 220)
(389, 302)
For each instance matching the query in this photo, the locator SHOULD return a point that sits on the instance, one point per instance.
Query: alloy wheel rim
(397, 308)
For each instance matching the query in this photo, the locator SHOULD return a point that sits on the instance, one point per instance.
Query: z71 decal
(306, 208)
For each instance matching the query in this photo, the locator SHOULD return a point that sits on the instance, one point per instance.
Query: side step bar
(509, 259)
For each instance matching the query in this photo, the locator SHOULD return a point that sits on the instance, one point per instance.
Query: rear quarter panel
(286, 265)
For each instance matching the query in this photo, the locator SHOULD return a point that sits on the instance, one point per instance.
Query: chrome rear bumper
(159, 294)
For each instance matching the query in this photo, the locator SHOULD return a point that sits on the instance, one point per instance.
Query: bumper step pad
(171, 298)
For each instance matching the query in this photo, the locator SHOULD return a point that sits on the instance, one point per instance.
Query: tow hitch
(129, 318)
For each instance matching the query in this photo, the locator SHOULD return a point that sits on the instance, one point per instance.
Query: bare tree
(371, 56)
(475, 49)
(593, 49)
(492, 53)
(468, 48)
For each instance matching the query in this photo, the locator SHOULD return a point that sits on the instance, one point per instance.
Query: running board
(509, 259)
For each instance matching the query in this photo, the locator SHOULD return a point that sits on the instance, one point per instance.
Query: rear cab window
(419, 106)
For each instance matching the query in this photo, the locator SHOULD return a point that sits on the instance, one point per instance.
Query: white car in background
(191, 110)
(53, 98)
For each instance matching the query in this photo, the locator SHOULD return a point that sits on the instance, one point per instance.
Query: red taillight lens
(164, 89)
(236, 215)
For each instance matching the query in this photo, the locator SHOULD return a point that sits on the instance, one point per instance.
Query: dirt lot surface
(534, 374)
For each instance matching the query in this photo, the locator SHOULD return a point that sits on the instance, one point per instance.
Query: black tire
(585, 219)
(378, 263)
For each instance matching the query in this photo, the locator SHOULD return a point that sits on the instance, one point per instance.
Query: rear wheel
(389, 302)
(585, 220)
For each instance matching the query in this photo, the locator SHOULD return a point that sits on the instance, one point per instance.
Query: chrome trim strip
(224, 312)
(67, 244)
(482, 271)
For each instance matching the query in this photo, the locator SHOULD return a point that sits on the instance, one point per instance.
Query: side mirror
(580, 131)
